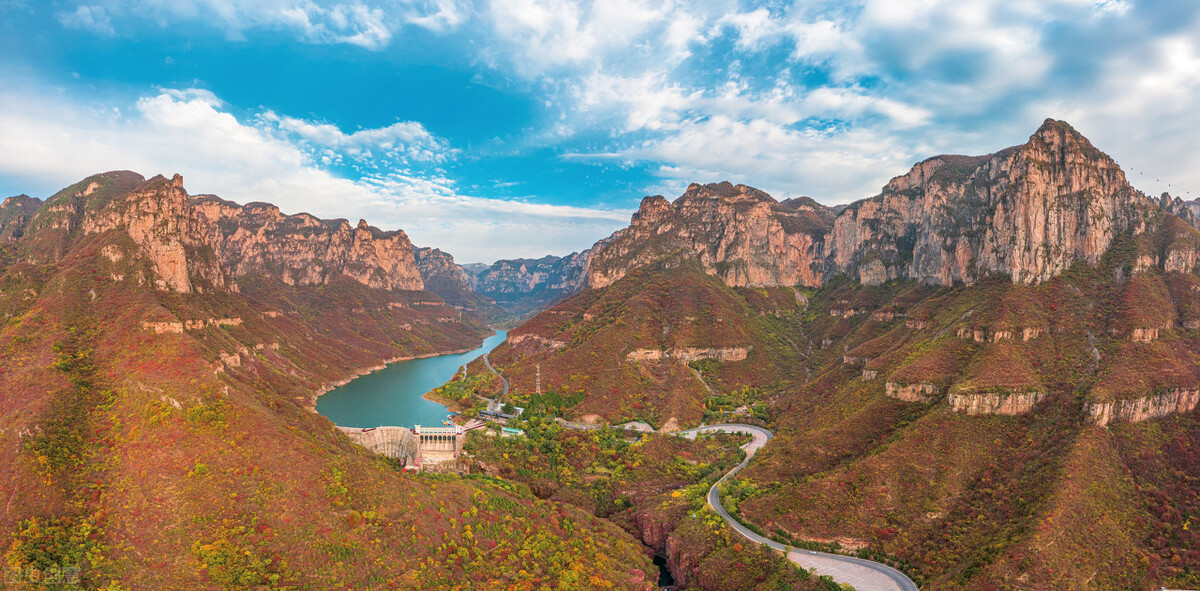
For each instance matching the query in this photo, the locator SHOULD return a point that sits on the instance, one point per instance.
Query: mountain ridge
(1026, 211)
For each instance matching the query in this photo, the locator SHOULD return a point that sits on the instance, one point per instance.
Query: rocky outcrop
(1029, 212)
(15, 215)
(258, 240)
(995, 403)
(159, 218)
(1144, 335)
(918, 392)
(203, 243)
(737, 233)
(1173, 401)
(179, 327)
(689, 354)
(443, 277)
(538, 340)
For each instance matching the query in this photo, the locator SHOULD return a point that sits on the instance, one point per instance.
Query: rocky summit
(1028, 212)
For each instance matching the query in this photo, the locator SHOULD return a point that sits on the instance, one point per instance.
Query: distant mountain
(451, 282)
(523, 286)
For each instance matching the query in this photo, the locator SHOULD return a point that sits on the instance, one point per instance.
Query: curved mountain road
(487, 362)
(864, 575)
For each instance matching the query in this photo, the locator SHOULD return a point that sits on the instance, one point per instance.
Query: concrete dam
(414, 447)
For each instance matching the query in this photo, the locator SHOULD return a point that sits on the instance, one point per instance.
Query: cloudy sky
(497, 129)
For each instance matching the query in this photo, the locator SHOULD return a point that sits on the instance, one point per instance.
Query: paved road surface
(502, 379)
(864, 575)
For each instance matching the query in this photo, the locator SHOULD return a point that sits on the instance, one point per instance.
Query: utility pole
(538, 387)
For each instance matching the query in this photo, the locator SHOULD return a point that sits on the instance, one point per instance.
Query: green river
(392, 396)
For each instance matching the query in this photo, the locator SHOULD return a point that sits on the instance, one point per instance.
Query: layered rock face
(200, 243)
(158, 217)
(737, 233)
(995, 403)
(257, 239)
(1029, 212)
(15, 215)
(1173, 401)
(446, 279)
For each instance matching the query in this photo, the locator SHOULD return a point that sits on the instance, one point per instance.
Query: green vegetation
(654, 486)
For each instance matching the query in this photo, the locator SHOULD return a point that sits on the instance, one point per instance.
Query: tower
(538, 383)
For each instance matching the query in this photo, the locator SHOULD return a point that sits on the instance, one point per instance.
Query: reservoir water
(392, 396)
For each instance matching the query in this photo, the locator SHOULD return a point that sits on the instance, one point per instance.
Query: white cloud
(536, 37)
(55, 142)
(88, 18)
(371, 24)
(438, 15)
(403, 141)
(905, 80)
(866, 88)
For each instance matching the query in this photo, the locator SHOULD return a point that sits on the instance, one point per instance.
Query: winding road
(502, 379)
(864, 575)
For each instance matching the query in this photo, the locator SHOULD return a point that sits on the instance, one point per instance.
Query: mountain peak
(726, 190)
(1061, 137)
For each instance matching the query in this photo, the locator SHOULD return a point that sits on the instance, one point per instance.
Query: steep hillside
(155, 428)
(997, 435)
(635, 349)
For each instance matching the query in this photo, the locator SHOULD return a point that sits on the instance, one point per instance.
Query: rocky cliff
(204, 242)
(449, 281)
(1029, 212)
(737, 233)
(505, 279)
(523, 286)
(258, 239)
(15, 215)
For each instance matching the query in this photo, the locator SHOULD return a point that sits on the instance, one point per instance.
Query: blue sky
(531, 127)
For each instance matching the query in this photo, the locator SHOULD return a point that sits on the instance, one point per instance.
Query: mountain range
(987, 372)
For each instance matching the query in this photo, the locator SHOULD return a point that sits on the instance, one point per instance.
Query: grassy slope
(661, 306)
(654, 488)
(1039, 501)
